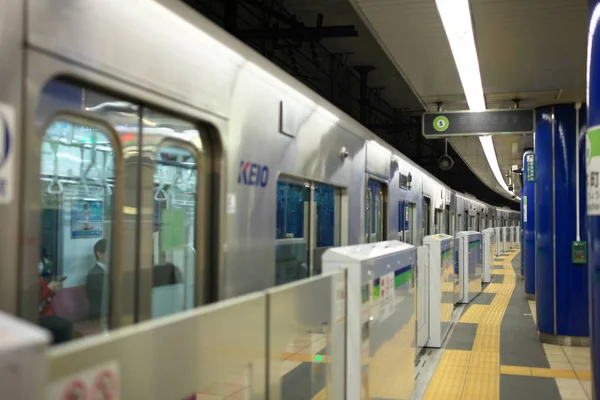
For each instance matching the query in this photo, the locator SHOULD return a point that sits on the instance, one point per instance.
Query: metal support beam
(300, 33)
(270, 11)
(364, 71)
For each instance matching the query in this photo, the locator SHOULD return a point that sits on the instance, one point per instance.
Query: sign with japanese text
(467, 123)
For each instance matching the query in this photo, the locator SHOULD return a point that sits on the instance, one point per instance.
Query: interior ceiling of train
(386, 62)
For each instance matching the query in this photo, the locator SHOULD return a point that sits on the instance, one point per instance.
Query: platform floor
(493, 351)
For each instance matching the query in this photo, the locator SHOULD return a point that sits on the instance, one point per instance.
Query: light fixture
(456, 18)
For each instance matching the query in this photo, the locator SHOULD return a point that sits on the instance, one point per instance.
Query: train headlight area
(241, 199)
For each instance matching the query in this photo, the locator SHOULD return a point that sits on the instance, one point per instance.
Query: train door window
(447, 216)
(94, 160)
(466, 221)
(291, 243)
(406, 222)
(174, 228)
(327, 215)
(308, 223)
(472, 222)
(452, 225)
(402, 220)
(426, 219)
(478, 223)
(438, 221)
(375, 211)
(77, 186)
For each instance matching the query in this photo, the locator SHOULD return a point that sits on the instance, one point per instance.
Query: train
(196, 162)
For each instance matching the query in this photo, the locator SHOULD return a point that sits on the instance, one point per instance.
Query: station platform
(493, 350)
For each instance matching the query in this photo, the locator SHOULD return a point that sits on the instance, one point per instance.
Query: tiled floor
(504, 359)
(475, 374)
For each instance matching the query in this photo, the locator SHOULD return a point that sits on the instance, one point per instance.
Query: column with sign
(593, 192)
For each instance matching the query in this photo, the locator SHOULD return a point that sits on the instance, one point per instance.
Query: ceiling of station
(362, 50)
(533, 50)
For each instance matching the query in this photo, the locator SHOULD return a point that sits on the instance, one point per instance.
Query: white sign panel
(593, 170)
(7, 153)
(97, 383)
(230, 204)
(388, 295)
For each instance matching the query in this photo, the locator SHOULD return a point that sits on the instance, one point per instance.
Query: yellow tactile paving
(449, 377)
(473, 314)
(475, 375)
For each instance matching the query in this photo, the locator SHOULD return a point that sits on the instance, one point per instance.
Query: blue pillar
(561, 285)
(593, 211)
(528, 224)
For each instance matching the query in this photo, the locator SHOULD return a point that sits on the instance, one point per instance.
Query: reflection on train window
(375, 214)
(77, 180)
(82, 176)
(174, 256)
(406, 222)
(308, 223)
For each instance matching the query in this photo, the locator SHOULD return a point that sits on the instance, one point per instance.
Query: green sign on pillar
(579, 252)
(530, 172)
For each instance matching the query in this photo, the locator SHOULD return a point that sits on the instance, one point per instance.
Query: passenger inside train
(97, 284)
(61, 328)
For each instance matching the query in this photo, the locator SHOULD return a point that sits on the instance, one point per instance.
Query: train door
(438, 221)
(100, 164)
(402, 220)
(406, 221)
(425, 218)
(308, 222)
(375, 211)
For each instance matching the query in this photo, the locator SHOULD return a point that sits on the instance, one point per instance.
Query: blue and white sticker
(7, 154)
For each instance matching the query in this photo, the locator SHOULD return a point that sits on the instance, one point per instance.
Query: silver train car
(150, 146)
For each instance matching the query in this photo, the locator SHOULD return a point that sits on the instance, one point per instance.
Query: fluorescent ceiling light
(456, 18)
(490, 153)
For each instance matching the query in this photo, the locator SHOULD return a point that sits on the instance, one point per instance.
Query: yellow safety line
(475, 374)
(545, 372)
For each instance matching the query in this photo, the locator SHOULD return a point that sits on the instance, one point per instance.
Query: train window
(375, 211)
(291, 231)
(406, 222)
(447, 220)
(425, 219)
(97, 155)
(472, 223)
(77, 181)
(174, 255)
(308, 223)
(327, 201)
(452, 225)
(438, 221)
